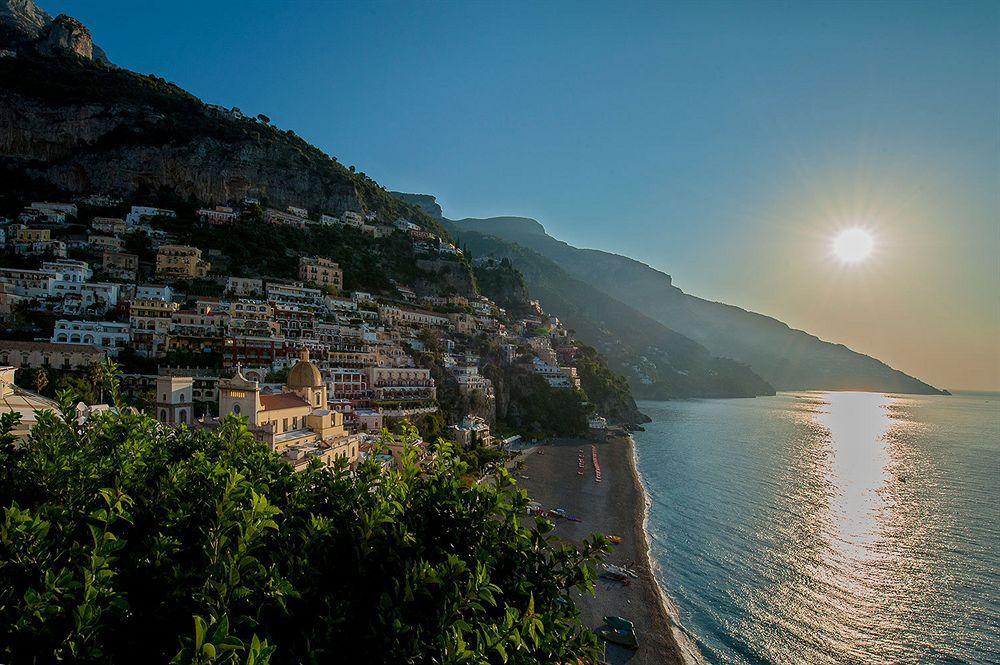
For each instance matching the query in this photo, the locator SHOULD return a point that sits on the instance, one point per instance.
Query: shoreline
(689, 651)
(618, 505)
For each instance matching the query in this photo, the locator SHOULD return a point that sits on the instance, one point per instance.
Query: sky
(723, 143)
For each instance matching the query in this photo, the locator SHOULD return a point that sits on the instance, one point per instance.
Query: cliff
(70, 125)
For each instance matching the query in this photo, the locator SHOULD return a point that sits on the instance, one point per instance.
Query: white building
(245, 287)
(100, 334)
(154, 292)
(100, 295)
(352, 218)
(69, 270)
(140, 213)
(28, 283)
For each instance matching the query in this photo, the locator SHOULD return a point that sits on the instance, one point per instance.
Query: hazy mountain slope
(659, 362)
(788, 359)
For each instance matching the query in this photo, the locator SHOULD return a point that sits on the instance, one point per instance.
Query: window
(236, 409)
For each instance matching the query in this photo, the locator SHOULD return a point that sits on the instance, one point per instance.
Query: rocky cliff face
(73, 126)
(80, 148)
(67, 35)
(25, 27)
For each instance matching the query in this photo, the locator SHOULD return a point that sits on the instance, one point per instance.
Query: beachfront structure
(321, 271)
(473, 431)
(180, 262)
(107, 335)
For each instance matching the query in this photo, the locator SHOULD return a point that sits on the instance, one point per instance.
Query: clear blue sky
(720, 142)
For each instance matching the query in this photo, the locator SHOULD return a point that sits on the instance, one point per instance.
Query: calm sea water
(829, 527)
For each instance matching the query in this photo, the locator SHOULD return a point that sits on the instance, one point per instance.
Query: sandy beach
(615, 505)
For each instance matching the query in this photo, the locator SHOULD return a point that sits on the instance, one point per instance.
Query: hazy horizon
(724, 144)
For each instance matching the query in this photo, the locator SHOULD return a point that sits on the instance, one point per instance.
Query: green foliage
(124, 542)
(156, 113)
(527, 404)
(277, 375)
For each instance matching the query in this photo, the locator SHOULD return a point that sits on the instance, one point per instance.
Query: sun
(853, 245)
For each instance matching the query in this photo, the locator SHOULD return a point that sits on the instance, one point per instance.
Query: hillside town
(316, 369)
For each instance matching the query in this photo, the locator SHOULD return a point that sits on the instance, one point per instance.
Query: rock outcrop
(67, 35)
(26, 27)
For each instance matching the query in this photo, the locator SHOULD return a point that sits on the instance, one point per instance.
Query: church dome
(304, 374)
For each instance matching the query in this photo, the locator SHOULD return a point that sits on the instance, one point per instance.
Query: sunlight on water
(857, 424)
(829, 527)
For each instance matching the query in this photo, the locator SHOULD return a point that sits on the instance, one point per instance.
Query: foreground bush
(124, 542)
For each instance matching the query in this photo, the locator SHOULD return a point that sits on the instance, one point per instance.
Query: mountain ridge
(787, 358)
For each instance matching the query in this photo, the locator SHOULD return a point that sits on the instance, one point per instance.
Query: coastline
(689, 651)
(617, 505)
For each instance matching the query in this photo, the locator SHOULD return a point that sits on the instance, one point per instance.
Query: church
(296, 423)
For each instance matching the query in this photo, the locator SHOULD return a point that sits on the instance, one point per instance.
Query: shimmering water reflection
(829, 527)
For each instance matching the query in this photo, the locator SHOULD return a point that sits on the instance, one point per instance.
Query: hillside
(659, 362)
(788, 359)
(72, 124)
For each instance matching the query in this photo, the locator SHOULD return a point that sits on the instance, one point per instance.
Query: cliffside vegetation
(94, 127)
(123, 542)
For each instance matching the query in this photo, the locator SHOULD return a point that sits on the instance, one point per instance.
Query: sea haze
(829, 527)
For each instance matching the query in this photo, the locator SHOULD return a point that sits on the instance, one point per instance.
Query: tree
(40, 380)
(121, 542)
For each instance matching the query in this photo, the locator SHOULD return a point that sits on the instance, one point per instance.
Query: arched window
(182, 397)
(163, 415)
(236, 409)
(182, 416)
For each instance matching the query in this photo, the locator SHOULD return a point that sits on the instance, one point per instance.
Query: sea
(828, 527)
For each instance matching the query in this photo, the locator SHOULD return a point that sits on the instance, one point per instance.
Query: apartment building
(180, 262)
(321, 272)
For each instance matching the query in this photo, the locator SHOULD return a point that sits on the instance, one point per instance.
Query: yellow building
(297, 422)
(322, 272)
(181, 262)
(26, 234)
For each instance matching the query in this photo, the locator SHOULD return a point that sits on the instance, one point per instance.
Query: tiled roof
(281, 401)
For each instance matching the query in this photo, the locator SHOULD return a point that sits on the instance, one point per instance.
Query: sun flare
(853, 245)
